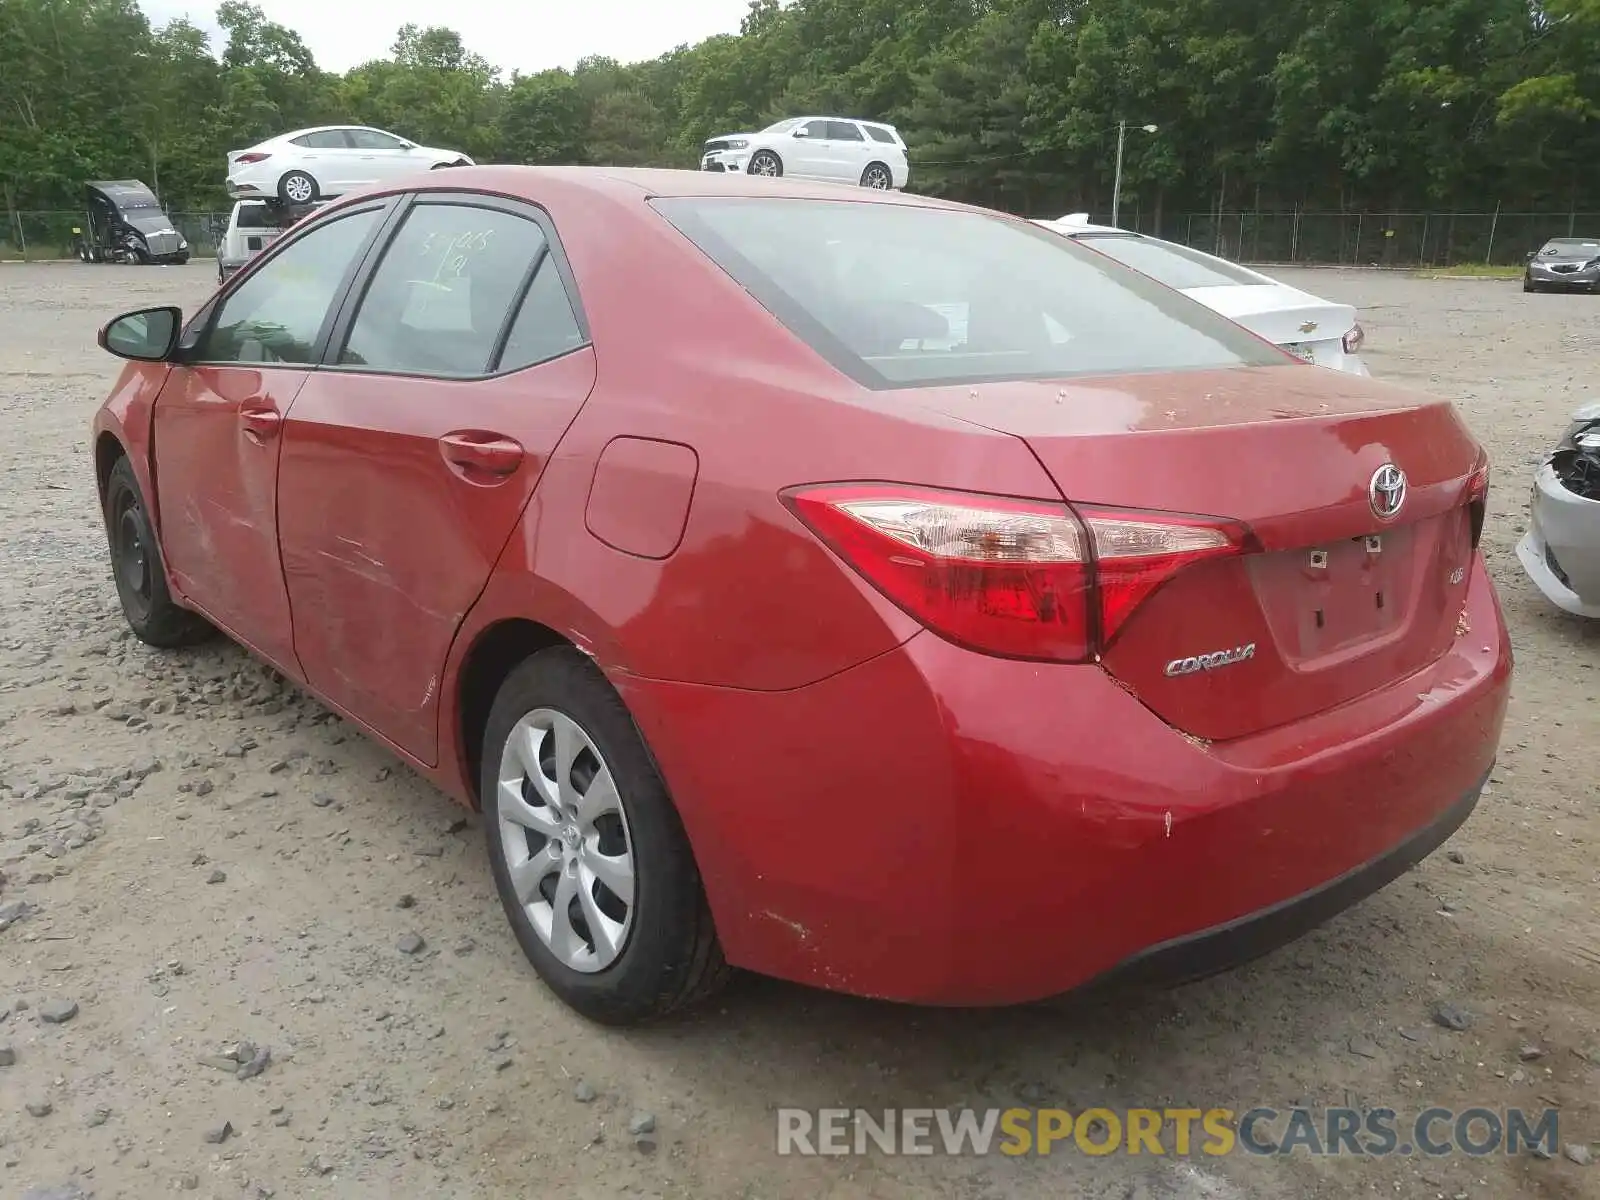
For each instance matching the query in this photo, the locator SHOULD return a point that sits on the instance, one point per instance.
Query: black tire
(138, 570)
(671, 957)
(878, 177)
(288, 181)
(1527, 286)
(771, 164)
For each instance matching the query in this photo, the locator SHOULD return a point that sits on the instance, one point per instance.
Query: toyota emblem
(1387, 491)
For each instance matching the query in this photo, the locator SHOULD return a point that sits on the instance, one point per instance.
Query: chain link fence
(1367, 239)
(1400, 239)
(41, 236)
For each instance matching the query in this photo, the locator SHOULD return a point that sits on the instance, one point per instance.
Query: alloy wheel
(878, 179)
(764, 164)
(565, 838)
(298, 188)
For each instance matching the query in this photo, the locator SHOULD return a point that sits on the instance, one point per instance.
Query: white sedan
(1319, 331)
(311, 164)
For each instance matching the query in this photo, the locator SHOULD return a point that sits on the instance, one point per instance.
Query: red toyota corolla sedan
(864, 590)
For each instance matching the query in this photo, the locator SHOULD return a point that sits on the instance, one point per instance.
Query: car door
(408, 459)
(381, 156)
(326, 155)
(809, 155)
(848, 151)
(217, 422)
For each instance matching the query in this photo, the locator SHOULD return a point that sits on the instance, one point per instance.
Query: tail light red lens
(1478, 497)
(244, 160)
(1354, 340)
(1017, 578)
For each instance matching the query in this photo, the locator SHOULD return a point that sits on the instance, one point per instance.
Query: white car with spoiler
(1319, 331)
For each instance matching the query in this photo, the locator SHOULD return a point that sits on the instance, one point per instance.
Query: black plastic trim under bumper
(1222, 947)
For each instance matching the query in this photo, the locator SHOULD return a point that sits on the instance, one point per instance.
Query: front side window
(440, 296)
(371, 139)
(817, 130)
(898, 295)
(1176, 266)
(277, 313)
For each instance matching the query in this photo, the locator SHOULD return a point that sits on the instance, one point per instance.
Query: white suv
(252, 227)
(835, 149)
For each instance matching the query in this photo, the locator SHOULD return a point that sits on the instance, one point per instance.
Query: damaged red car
(874, 592)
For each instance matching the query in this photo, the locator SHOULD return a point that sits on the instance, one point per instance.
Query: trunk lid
(1281, 315)
(1334, 601)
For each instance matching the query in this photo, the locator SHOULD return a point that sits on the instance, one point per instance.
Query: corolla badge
(1387, 491)
(1210, 662)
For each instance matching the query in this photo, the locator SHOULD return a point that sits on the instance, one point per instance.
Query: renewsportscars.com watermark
(1371, 1132)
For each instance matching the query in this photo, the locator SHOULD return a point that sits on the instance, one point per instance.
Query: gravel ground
(221, 878)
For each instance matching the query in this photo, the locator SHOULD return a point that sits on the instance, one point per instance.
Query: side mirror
(801, 132)
(1530, 256)
(144, 335)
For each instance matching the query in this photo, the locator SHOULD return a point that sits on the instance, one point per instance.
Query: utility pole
(1116, 185)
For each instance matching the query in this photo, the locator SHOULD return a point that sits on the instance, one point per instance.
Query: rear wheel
(877, 177)
(589, 857)
(297, 187)
(136, 566)
(766, 163)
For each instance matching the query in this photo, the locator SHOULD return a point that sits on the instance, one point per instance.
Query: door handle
(479, 456)
(260, 421)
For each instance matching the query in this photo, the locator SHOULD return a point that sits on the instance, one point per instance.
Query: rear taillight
(1354, 340)
(244, 160)
(1478, 498)
(1018, 578)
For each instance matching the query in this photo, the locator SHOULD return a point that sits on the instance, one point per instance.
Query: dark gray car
(1564, 264)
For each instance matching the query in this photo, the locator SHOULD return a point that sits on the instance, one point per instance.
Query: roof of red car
(646, 181)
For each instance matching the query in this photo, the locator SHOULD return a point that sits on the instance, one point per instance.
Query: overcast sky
(525, 34)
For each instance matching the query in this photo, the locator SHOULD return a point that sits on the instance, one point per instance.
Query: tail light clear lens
(1355, 339)
(244, 160)
(1018, 578)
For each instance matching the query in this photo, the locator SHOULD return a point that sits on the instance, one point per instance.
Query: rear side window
(844, 131)
(1174, 265)
(879, 134)
(442, 293)
(905, 296)
(546, 327)
(322, 139)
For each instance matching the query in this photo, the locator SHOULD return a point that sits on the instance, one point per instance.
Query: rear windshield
(1176, 266)
(253, 216)
(902, 296)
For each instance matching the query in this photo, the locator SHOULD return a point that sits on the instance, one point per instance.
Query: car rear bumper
(1232, 943)
(940, 827)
